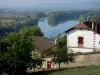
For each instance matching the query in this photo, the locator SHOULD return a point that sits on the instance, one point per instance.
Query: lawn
(90, 70)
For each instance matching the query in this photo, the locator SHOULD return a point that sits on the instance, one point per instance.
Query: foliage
(96, 19)
(57, 17)
(82, 19)
(18, 22)
(0, 22)
(60, 52)
(54, 50)
(93, 16)
(36, 60)
(61, 56)
(16, 51)
(31, 31)
(62, 41)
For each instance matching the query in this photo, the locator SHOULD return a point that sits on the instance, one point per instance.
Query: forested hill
(61, 16)
(12, 22)
(57, 17)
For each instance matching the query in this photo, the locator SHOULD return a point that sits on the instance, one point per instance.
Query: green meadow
(90, 70)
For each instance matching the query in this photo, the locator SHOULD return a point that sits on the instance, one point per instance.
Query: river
(53, 31)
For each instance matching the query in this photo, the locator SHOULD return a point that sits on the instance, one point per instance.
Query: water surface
(52, 31)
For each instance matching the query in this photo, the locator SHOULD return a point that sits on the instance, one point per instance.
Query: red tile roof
(81, 25)
(85, 25)
(78, 26)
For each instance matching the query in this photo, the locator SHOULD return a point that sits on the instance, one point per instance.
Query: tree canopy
(17, 50)
(31, 31)
(13, 23)
(60, 52)
(54, 18)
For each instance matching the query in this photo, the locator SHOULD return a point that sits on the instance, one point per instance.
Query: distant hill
(1, 10)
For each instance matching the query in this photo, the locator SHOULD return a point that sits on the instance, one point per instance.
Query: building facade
(82, 39)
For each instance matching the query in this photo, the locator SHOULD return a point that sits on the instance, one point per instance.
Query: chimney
(55, 41)
(96, 28)
(87, 18)
(81, 20)
(92, 25)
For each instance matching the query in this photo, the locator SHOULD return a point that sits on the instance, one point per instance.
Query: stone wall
(87, 59)
(80, 60)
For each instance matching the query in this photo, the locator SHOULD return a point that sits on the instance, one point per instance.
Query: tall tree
(17, 50)
(0, 23)
(60, 52)
(36, 60)
(17, 53)
(82, 19)
(61, 56)
(96, 19)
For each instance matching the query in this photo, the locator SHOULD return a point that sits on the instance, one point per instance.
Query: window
(80, 41)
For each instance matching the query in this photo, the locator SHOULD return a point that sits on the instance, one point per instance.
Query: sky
(51, 4)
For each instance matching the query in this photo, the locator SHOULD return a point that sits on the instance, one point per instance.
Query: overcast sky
(51, 4)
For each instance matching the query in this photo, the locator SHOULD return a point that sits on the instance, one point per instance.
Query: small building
(43, 46)
(83, 38)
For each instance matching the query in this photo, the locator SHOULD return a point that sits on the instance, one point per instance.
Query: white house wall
(72, 37)
(97, 44)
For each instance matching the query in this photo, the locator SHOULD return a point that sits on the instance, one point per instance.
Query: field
(91, 70)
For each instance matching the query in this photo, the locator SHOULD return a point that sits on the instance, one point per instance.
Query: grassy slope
(79, 71)
(91, 70)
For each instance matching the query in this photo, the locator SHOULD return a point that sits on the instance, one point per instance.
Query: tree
(57, 17)
(60, 52)
(16, 54)
(18, 23)
(54, 50)
(61, 56)
(82, 19)
(17, 50)
(31, 31)
(36, 60)
(3, 49)
(96, 19)
(0, 23)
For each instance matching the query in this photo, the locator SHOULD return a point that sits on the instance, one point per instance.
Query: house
(83, 37)
(43, 46)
